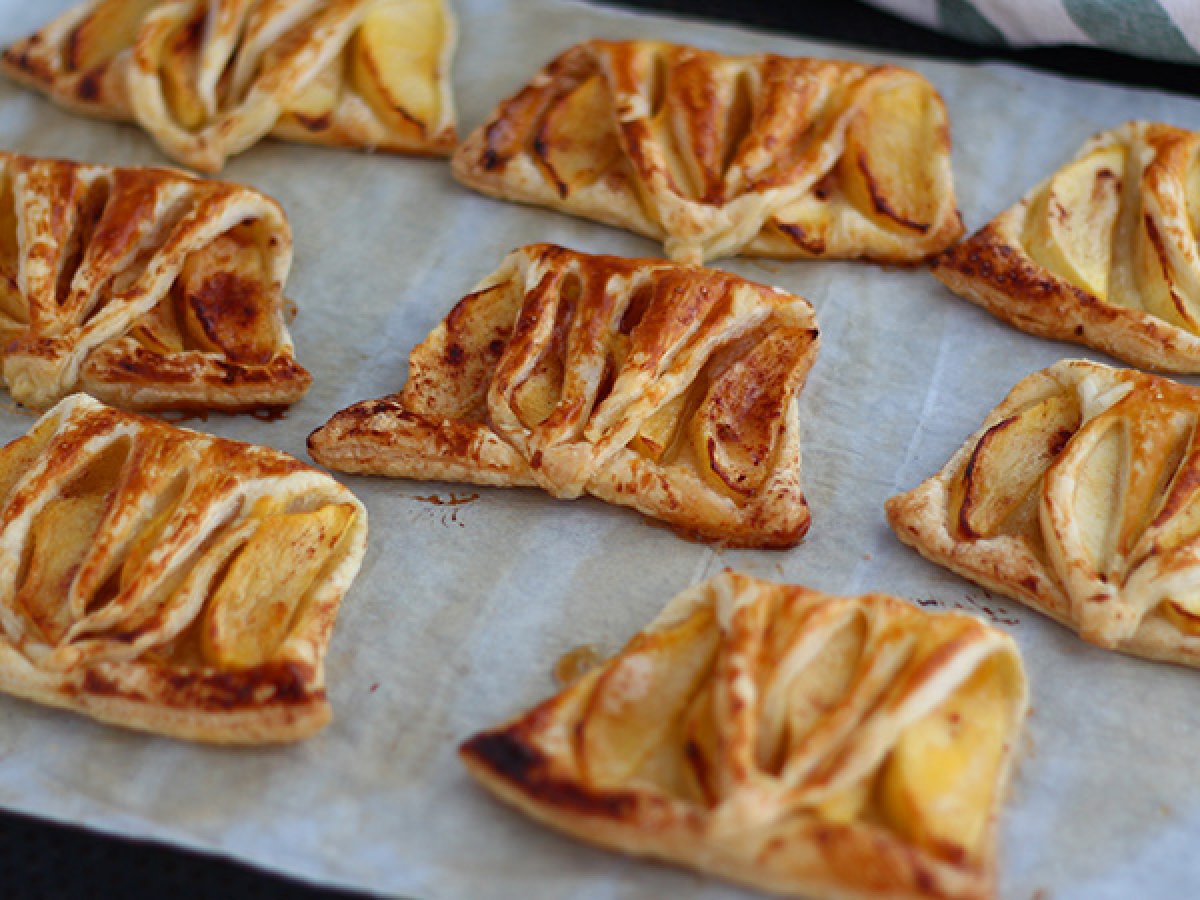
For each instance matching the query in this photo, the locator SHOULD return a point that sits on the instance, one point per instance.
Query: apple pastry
(147, 288)
(719, 155)
(790, 740)
(210, 78)
(667, 388)
(1102, 253)
(165, 580)
(1079, 496)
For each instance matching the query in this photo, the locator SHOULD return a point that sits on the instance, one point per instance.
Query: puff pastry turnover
(719, 155)
(784, 738)
(147, 288)
(1078, 496)
(1102, 253)
(210, 78)
(666, 388)
(164, 580)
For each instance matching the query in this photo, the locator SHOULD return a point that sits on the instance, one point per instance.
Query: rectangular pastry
(797, 742)
(209, 79)
(666, 388)
(1079, 497)
(720, 155)
(147, 288)
(165, 580)
(1101, 253)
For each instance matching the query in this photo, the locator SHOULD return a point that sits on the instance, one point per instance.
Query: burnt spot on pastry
(507, 756)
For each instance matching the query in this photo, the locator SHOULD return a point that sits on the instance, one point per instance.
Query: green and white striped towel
(1162, 29)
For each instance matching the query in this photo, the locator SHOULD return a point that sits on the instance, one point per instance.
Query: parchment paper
(460, 612)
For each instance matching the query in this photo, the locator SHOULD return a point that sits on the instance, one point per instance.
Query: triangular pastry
(667, 388)
(169, 581)
(1102, 253)
(801, 743)
(148, 288)
(210, 78)
(1078, 496)
(719, 155)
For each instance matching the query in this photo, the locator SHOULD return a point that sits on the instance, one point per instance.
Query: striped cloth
(1161, 29)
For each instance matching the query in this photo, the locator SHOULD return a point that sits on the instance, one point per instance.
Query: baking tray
(461, 610)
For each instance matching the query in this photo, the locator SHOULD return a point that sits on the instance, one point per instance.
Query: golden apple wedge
(1184, 615)
(395, 59)
(178, 68)
(1070, 225)
(884, 168)
(252, 609)
(110, 28)
(577, 141)
(738, 424)
(225, 304)
(1099, 479)
(657, 434)
(635, 703)
(938, 785)
(536, 398)
(1010, 459)
(61, 536)
(317, 100)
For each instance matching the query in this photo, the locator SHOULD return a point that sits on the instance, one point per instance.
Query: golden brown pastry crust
(120, 537)
(209, 79)
(731, 734)
(147, 288)
(719, 155)
(1126, 205)
(553, 370)
(1017, 507)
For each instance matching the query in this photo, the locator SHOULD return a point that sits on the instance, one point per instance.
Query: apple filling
(997, 487)
(938, 785)
(110, 28)
(1072, 221)
(577, 141)
(395, 61)
(221, 302)
(252, 579)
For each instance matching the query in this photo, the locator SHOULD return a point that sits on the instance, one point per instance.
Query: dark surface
(38, 860)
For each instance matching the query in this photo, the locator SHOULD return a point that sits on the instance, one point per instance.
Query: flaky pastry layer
(666, 388)
(1078, 496)
(720, 155)
(209, 79)
(146, 287)
(801, 743)
(164, 580)
(1102, 253)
